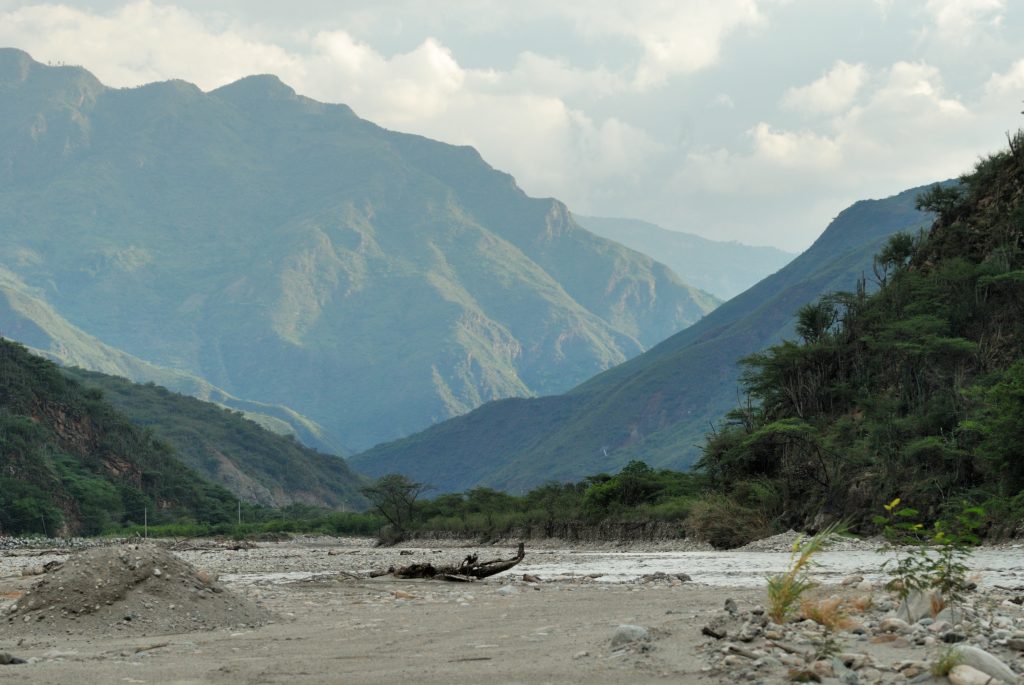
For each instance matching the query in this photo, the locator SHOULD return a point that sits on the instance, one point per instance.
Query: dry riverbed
(304, 611)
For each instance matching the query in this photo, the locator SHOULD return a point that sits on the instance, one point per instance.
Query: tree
(394, 497)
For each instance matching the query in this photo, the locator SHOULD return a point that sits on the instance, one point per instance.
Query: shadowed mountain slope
(658, 406)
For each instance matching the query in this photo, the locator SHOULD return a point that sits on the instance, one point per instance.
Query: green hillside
(723, 268)
(288, 252)
(915, 391)
(70, 463)
(226, 448)
(656, 407)
(27, 318)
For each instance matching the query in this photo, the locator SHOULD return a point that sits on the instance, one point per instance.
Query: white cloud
(964, 22)
(141, 42)
(1011, 82)
(723, 100)
(803, 149)
(642, 108)
(833, 92)
(680, 36)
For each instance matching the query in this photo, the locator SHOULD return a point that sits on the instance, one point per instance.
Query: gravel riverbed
(649, 612)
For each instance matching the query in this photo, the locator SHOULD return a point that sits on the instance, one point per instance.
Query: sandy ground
(337, 629)
(331, 626)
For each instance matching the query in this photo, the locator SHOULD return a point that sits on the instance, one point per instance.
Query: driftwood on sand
(469, 570)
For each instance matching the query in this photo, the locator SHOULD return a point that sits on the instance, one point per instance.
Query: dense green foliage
(225, 447)
(624, 504)
(915, 391)
(724, 269)
(71, 463)
(656, 407)
(288, 252)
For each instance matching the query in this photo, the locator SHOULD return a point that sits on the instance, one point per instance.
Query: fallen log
(469, 570)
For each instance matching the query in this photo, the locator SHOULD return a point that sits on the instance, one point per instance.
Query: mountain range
(287, 258)
(724, 269)
(658, 406)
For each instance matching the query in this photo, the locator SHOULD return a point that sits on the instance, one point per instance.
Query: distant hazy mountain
(658, 406)
(723, 268)
(288, 252)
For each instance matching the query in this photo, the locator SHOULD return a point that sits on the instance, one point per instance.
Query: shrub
(721, 521)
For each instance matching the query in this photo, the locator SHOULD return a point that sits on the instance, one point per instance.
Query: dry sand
(328, 625)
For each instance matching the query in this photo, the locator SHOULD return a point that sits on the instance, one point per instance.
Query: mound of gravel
(784, 542)
(134, 589)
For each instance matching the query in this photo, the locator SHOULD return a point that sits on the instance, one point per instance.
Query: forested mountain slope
(915, 391)
(658, 406)
(224, 447)
(27, 318)
(288, 252)
(70, 463)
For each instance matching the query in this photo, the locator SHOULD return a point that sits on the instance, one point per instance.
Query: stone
(918, 604)
(10, 660)
(844, 673)
(716, 627)
(985, 662)
(962, 674)
(823, 669)
(749, 632)
(507, 590)
(865, 586)
(940, 627)
(626, 633)
(730, 606)
(892, 624)
(1016, 643)
(950, 615)
(529, 578)
(803, 675)
(952, 638)
(851, 580)
(854, 660)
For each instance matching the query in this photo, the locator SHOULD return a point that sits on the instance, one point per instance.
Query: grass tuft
(786, 589)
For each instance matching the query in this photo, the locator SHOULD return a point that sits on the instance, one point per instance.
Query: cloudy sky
(749, 120)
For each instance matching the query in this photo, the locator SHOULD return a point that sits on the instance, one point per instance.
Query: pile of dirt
(134, 589)
(785, 542)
